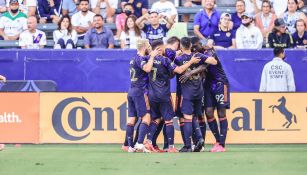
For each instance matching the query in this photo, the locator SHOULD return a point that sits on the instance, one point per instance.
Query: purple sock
(214, 129)
(137, 133)
(182, 132)
(165, 136)
(152, 130)
(187, 128)
(157, 133)
(129, 134)
(202, 127)
(169, 129)
(142, 132)
(196, 129)
(223, 132)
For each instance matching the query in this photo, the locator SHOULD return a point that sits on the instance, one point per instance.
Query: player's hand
(183, 78)
(195, 59)
(211, 60)
(178, 52)
(155, 52)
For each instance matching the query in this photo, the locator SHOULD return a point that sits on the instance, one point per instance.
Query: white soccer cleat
(131, 150)
(140, 148)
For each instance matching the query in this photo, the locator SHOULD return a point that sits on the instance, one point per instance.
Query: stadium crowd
(254, 24)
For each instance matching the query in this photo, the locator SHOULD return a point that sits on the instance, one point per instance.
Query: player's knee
(210, 114)
(146, 119)
(131, 121)
(188, 117)
(221, 113)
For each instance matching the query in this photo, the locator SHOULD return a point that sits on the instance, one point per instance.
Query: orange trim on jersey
(225, 94)
(221, 119)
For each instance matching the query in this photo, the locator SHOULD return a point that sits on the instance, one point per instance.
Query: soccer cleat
(185, 149)
(219, 149)
(150, 147)
(131, 150)
(202, 149)
(159, 150)
(172, 149)
(2, 146)
(215, 146)
(141, 148)
(125, 148)
(199, 145)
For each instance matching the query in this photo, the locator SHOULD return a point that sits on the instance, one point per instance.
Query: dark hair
(296, 2)
(185, 42)
(69, 29)
(173, 40)
(128, 4)
(266, 1)
(156, 43)
(195, 40)
(197, 48)
(278, 50)
(240, 1)
(84, 0)
(98, 15)
(136, 29)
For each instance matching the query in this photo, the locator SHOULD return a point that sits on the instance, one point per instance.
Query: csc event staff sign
(101, 118)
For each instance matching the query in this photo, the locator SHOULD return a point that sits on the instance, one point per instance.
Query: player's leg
(197, 111)
(187, 110)
(157, 133)
(223, 103)
(142, 107)
(132, 113)
(168, 114)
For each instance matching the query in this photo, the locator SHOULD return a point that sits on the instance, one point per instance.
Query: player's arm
(211, 60)
(188, 74)
(181, 69)
(148, 66)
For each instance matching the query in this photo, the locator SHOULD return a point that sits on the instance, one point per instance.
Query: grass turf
(73, 159)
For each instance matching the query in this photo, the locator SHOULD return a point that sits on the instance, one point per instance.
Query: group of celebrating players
(202, 87)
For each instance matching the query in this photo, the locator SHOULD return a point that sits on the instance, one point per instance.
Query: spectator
(2, 7)
(106, 8)
(154, 30)
(13, 22)
(49, 11)
(277, 75)
(130, 34)
(28, 7)
(279, 37)
(165, 8)
(191, 3)
(252, 6)
(223, 37)
(99, 36)
(264, 20)
(82, 20)
(65, 36)
(300, 36)
(292, 15)
(121, 18)
(140, 6)
(236, 16)
(69, 7)
(32, 38)
(206, 21)
(279, 6)
(248, 36)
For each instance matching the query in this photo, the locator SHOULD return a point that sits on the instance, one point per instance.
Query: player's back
(138, 77)
(192, 88)
(159, 79)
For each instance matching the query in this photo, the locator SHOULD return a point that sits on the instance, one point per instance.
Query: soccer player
(159, 94)
(216, 96)
(192, 94)
(138, 106)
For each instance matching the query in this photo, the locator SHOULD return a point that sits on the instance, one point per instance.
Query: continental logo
(247, 115)
(9, 117)
(85, 117)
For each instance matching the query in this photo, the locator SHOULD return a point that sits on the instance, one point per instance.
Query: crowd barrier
(257, 118)
(108, 70)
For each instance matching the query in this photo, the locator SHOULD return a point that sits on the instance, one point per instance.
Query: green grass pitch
(101, 159)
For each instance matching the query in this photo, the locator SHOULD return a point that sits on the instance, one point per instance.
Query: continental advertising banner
(101, 118)
(19, 118)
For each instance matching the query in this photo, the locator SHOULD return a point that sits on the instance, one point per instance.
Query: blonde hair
(141, 43)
